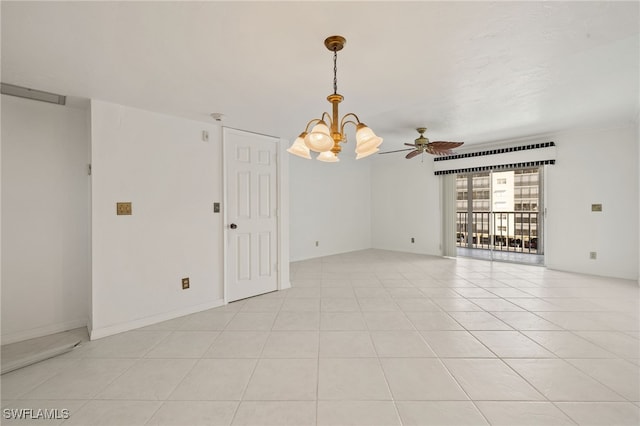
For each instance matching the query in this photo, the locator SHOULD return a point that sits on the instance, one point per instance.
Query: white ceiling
(470, 71)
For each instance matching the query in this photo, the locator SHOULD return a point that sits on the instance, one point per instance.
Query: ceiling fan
(422, 144)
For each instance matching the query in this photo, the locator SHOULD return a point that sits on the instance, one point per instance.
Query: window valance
(495, 159)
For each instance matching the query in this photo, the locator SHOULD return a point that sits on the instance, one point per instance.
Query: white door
(251, 214)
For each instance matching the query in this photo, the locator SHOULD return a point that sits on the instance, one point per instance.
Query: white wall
(45, 218)
(330, 203)
(405, 204)
(160, 164)
(594, 167)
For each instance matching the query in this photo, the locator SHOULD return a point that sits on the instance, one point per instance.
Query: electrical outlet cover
(123, 208)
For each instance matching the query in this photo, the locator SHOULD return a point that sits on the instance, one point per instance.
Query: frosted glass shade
(299, 148)
(328, 157)
(360, 155)
(319, 140)
(366, 140)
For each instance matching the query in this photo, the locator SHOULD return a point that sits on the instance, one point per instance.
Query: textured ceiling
(470, 71)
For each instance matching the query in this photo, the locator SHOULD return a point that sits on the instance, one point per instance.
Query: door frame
(282, 197)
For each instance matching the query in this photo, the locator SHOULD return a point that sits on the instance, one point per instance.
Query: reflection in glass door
(498, 215)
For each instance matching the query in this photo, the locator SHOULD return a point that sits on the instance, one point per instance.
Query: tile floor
(367, 338)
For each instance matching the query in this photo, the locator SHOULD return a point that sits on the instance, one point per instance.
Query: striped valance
(496, 159)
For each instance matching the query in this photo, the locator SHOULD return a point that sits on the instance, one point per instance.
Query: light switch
(216, 207)
(596, 207)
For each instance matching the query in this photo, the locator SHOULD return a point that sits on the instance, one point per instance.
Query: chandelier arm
(328, 117)
(343, 122)
(314, 121)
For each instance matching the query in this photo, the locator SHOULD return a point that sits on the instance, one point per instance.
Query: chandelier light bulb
(366, 140)
(328, 157)
(360, 155)
(319, 139)
(299, 148)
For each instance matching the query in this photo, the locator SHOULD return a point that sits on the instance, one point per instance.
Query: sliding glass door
(498, 215)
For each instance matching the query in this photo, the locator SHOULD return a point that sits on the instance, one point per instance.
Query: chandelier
(328, 131)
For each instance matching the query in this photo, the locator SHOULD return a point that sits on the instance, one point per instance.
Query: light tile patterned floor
(367, 338)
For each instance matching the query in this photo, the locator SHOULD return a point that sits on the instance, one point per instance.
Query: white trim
(143, 322)
(283, 216)
(19, 336)
(225, 233)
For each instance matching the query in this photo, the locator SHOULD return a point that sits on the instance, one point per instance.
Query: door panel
(264, 254)
(243, 195)
(264, 196)
(243, 243)
(252, 240)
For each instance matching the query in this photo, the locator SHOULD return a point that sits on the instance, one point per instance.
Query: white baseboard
(100, 332)
(19, 336)
(285, 285)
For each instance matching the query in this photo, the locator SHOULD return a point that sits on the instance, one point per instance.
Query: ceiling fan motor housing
(421, 141)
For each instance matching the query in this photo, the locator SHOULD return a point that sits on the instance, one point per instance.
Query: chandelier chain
(335, 72)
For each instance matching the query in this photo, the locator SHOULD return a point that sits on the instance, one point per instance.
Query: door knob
(233, 226)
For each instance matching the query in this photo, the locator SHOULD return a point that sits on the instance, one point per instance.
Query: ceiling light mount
(335, 43)
(327, 132)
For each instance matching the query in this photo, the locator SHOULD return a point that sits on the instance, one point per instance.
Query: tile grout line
(255, 367)
(444, 366)
(384, 374)
(179, 382)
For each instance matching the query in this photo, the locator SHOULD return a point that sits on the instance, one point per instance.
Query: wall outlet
(185, 283)
(123, 209)
(317, 243)
(413, 240)
(593, 255)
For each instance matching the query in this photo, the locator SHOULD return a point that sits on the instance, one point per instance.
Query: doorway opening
(499, 215)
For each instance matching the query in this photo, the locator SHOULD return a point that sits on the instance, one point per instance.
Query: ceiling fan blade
(398, 150)
(410, 144)
(450, 144)
(442, 147)
(413, 154)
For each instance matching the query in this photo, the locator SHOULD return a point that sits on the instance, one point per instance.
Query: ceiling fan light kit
(327, 132)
